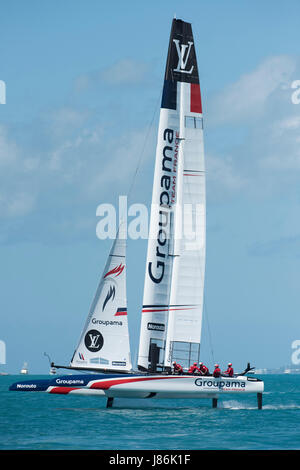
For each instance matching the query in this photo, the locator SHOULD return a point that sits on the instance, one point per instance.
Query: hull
(143, 386)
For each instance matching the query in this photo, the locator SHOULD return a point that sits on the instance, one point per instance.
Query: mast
(174, 279)
(104, 342)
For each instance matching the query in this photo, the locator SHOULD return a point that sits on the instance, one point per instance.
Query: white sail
(104, 342)
(174, 279)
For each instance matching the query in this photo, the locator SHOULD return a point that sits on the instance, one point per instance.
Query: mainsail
(104, 342)
(174, 280)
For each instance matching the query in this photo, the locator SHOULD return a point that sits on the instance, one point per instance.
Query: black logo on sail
(181, 62)
(183, 51)
(110, 295)
(93, 340)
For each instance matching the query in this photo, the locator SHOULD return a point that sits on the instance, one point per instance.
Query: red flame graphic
(116, 271)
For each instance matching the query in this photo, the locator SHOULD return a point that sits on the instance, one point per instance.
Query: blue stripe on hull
(80, 380)
(30, 386)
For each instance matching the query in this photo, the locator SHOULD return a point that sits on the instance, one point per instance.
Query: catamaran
(171, 317)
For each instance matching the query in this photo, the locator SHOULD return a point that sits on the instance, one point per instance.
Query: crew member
(229, 371)
(193, 369)
(177, 368)
(217, 371)
(203, 370)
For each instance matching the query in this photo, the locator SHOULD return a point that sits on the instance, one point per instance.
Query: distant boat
(24, 369)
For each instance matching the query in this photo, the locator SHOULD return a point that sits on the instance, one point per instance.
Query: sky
(78, 129)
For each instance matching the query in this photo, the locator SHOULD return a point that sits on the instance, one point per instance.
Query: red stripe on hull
(104, 385)
(63, 390)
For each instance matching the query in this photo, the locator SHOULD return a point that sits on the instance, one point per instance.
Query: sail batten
(175, 266)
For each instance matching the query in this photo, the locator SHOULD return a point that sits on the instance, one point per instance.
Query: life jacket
(193, 369)
(204, 370)
(178, 368)
(217, 372)
(229, 372)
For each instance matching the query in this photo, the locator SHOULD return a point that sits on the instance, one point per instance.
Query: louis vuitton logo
(93, 340)
(183, 52)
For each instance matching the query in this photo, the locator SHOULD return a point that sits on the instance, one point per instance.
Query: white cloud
(246, 98)
(76, 163)
(256, 128)
(291, 122)
(282, 145)
(222, 175)
(8, 149)
(70, 157)
(125, 71)
(64, 121)
(15, 199)
(16, 204)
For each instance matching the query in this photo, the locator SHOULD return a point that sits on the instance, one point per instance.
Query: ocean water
(40, 421)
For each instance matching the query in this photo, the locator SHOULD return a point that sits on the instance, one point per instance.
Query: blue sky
(83, 90)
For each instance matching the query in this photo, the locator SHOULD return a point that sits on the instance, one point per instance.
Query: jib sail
(104, 342)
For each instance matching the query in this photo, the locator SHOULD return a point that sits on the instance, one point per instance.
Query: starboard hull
(143, 386)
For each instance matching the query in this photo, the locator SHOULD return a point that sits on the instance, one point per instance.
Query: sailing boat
(24, 369)
(174, 279)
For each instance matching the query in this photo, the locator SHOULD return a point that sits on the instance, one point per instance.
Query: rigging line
(121, 219)
(141, 155)
(143, 148)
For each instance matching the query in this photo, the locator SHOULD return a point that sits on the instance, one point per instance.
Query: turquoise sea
(40, 421)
